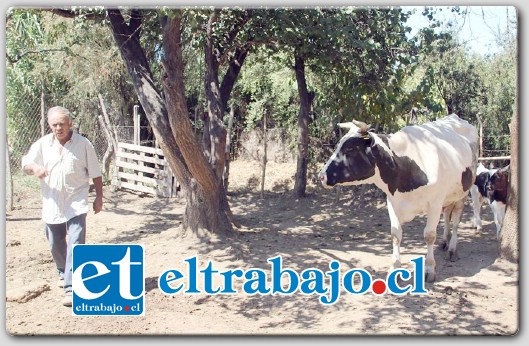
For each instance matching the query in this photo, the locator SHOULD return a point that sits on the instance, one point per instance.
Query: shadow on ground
(310, 233)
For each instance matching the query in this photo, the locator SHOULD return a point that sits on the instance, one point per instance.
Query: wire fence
(126, 135)
(24, 127)
(26, 122)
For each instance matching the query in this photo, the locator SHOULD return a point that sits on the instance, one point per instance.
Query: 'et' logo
(108, 280)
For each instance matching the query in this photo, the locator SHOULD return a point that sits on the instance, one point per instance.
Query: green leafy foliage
(447, 79)
(360, 64)
(71, 61)
(267, 86)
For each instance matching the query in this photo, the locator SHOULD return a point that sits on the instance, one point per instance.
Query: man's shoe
(67, 300)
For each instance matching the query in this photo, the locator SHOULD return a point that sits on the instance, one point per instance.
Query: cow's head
(352, 160)
(498, 184)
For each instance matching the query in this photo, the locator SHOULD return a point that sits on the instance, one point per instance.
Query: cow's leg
(498, 209)
(447, 217)
(396, 236)
(457, 211)
(434, 215)
(476, 206)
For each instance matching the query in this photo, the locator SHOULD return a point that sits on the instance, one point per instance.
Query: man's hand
(98, 204)
(36, 170)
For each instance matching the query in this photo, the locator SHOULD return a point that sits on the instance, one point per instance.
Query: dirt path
(476, 295)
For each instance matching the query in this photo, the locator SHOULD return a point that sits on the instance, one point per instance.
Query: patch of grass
(24, 182)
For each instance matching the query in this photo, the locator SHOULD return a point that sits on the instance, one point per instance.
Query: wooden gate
(144, 169)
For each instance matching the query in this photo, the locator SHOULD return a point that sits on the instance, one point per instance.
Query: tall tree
(356, 56)
(300, 184)
(207, 208)
(367, 47)
(200, 175)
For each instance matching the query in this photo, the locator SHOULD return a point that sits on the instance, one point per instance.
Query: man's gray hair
(60, 110)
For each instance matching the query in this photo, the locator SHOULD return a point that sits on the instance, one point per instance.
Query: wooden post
(136, 116)
(338, 194)
(265, 149)
(42, 111)
(494, 158)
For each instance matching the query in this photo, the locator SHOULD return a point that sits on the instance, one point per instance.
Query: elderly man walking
(64, 161)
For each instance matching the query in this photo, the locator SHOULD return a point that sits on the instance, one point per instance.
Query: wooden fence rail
(144, 169)
(494, 158)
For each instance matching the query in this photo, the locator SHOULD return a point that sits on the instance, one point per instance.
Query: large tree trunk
(217, 131)
(206, 207)
(303, 129)
(207, 204)
(509, 236)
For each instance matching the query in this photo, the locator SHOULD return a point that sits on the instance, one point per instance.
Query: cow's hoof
(452, 256)
(429, 276)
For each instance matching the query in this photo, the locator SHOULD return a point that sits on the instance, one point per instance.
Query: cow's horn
(346, 126)
(362, 127)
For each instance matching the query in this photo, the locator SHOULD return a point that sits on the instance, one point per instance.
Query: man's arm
(33, 163)
(36, 170)
(98, 202)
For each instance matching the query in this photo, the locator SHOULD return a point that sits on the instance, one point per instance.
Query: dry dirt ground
(477, 295)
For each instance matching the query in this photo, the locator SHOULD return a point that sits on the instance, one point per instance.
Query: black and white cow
(491, 185)
(422, 169)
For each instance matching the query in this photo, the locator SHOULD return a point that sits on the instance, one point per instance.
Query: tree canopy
(306, 69)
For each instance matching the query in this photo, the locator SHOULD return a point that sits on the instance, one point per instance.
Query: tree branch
(229, 79)
(18, 57)
(233, 33)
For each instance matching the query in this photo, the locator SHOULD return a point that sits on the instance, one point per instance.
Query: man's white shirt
(65, 189)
